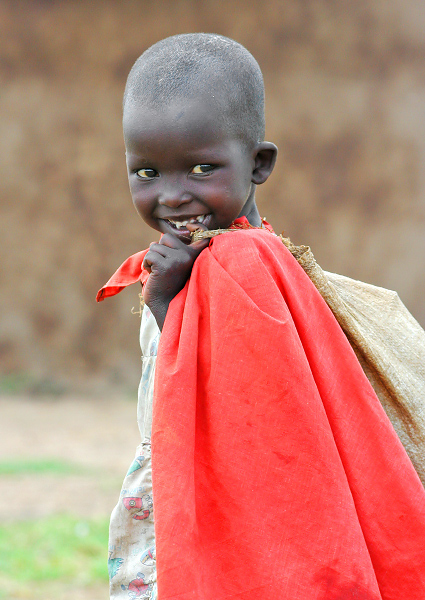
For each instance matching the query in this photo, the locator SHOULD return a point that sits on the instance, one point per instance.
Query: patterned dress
(131, 563)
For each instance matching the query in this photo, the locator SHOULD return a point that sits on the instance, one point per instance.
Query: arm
(169, 263)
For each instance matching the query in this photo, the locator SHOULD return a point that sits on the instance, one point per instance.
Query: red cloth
(276, 472)
(131, 270)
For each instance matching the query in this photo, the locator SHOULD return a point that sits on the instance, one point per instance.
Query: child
(276, 473)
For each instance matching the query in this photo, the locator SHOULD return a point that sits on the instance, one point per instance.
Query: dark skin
(187, 172)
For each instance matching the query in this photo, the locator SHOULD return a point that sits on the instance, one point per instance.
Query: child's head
(194, 129)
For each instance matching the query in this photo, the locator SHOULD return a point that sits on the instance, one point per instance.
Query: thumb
(200, 245)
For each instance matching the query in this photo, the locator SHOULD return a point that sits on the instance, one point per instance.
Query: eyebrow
(197, 156)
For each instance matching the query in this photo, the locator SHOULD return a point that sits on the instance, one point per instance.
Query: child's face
(183, 165)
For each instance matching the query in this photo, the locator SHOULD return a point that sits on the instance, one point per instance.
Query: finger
(147, 261)
(200, 245)
(171, 241)
(152, 260)
(162, 249)
(196, 227)
(146, 264)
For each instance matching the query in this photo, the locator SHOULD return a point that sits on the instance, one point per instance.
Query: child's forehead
(206, 95)
(199, 118)
(177, 107)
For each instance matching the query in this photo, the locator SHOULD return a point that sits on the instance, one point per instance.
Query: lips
(182, 224)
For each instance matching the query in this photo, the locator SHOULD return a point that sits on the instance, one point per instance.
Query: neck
(253, 216)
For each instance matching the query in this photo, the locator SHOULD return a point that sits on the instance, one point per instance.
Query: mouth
(181, 225)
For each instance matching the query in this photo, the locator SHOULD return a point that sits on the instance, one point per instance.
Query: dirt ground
(98, 435)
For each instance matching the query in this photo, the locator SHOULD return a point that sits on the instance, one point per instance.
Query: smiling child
(195, 151)
(276, 473)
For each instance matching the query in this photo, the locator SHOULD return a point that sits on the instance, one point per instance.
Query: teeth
(182, 224)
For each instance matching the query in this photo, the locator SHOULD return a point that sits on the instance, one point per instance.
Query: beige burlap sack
(388, 342)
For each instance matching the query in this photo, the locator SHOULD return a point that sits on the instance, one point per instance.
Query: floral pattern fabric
(132, 563)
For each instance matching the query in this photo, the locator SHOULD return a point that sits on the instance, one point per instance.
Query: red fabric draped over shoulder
(276, 472)
(131, 271)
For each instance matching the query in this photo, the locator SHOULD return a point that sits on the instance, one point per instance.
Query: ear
(264, 155)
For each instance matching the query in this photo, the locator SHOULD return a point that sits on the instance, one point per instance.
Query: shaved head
(202, 65)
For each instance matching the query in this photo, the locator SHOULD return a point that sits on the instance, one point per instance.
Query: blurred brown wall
(345, 84)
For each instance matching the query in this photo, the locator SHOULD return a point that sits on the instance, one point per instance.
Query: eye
(147, 173)
(200, 169)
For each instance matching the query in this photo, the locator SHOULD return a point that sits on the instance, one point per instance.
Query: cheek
(239, 181)
(136, 189)
(234, 186)
(143, 209)
(141, 200)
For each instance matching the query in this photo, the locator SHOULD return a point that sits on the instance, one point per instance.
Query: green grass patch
(25, 383)
(43, 466)
(14, 383)
(59, 548)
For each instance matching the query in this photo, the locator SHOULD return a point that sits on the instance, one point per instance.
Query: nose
(173, 194)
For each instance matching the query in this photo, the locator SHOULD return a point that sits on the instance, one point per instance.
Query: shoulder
(246, 250)
(247, 243)
(241, 237)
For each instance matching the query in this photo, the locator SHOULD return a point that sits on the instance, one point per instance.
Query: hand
(169, 263)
